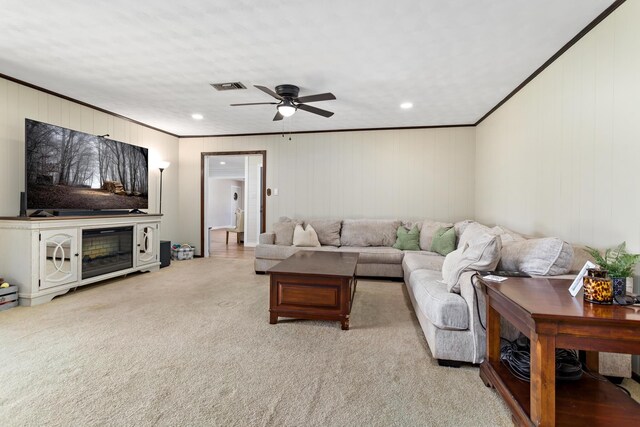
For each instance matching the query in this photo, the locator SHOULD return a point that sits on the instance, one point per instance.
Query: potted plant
(619, 263)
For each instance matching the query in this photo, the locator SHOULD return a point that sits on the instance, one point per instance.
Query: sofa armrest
(267, 238)
(471, 291)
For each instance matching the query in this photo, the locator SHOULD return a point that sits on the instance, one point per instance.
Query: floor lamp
(162, 166)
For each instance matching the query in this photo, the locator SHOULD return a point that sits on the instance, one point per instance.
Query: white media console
(47, 257)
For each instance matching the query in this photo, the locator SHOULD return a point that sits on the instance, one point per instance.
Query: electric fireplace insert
(106, 250)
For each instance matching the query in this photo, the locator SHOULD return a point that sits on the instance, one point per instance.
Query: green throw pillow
(408, 240)
(444, 241)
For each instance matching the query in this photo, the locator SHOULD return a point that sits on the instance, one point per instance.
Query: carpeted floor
(191, 345)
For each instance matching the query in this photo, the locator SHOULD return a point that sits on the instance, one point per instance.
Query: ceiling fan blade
(319, 97)
(268, 91)
(255, 103)
(315, 110)
(278, 116)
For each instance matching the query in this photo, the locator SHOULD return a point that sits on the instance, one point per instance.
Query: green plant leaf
(618, 262)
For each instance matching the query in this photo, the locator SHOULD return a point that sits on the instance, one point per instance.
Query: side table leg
(493, 333)
(273, 318)
(345, 324)
(593, 361)
(543, 379)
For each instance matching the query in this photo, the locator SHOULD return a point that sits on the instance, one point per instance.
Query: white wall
(220, 201)
(18, 102)
(561, 157)
(410, 173)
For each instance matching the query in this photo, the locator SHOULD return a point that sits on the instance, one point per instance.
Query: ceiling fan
(289, 102)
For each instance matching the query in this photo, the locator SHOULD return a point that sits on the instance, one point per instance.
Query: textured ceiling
(153, 61)
(233, 167)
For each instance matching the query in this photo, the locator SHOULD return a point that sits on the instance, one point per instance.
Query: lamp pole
(162, 166)
(161, 170)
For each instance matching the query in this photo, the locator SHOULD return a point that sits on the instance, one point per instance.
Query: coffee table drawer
(295, 294)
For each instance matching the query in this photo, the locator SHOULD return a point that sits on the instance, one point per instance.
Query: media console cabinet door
(148, 243)
(58, 257)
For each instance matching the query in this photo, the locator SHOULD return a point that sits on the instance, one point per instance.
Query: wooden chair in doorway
(239, 228)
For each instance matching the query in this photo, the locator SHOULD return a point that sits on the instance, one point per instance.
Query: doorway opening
(232, 201)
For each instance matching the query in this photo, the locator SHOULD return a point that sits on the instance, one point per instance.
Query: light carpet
(191, 345)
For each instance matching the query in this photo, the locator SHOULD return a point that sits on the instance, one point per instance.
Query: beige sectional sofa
(372, 239)
(448, 302)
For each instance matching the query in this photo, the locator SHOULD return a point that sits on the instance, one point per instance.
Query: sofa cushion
(375, 254)
(407, 240)
(460, 226)
(369, 232)
(480, 254)
(284, 232)
(472, 232)
(328, 230)
(429, 228)
(444, 309)
(444, 241)
(506, 235)
(267, 238)
(547, 256)
(413, 261)
(305, 237)
(580, 257)
(409, 224)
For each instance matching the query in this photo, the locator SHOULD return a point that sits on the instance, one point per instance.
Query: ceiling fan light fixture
(286, 108)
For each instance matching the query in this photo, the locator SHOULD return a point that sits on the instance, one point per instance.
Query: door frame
(263, 198)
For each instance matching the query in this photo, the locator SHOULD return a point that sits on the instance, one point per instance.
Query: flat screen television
(67, 169)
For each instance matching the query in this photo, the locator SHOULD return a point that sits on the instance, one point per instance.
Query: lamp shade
(163, 164)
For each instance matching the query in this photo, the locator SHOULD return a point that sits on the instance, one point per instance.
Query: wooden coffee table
(551, 318)
(314, 285)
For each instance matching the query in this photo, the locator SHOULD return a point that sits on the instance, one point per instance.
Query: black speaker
(165, 253)
(23, 203)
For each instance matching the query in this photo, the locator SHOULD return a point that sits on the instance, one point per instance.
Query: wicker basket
(182, 252)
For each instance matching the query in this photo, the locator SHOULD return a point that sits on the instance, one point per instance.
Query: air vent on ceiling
(228, 86)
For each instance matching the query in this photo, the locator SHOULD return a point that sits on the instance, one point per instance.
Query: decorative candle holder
(598, 288)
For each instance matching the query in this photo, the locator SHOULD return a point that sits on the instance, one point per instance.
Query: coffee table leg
(345, 324)
(273, 318)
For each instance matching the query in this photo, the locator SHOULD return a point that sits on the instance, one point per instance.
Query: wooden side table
(544, 311)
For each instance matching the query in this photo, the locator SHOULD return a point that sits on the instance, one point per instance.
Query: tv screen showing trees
(67, 169)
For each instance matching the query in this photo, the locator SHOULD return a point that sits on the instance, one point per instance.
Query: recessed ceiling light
(406, 105)
(223, 163)
(197, 116)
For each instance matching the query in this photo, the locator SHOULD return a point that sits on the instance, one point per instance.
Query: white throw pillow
(305, 237)
(480, 254)
(472, 232)
(451, 262)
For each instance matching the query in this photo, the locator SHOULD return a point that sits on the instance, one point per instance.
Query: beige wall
(18, 102)
(562, 156)
(417, 173)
